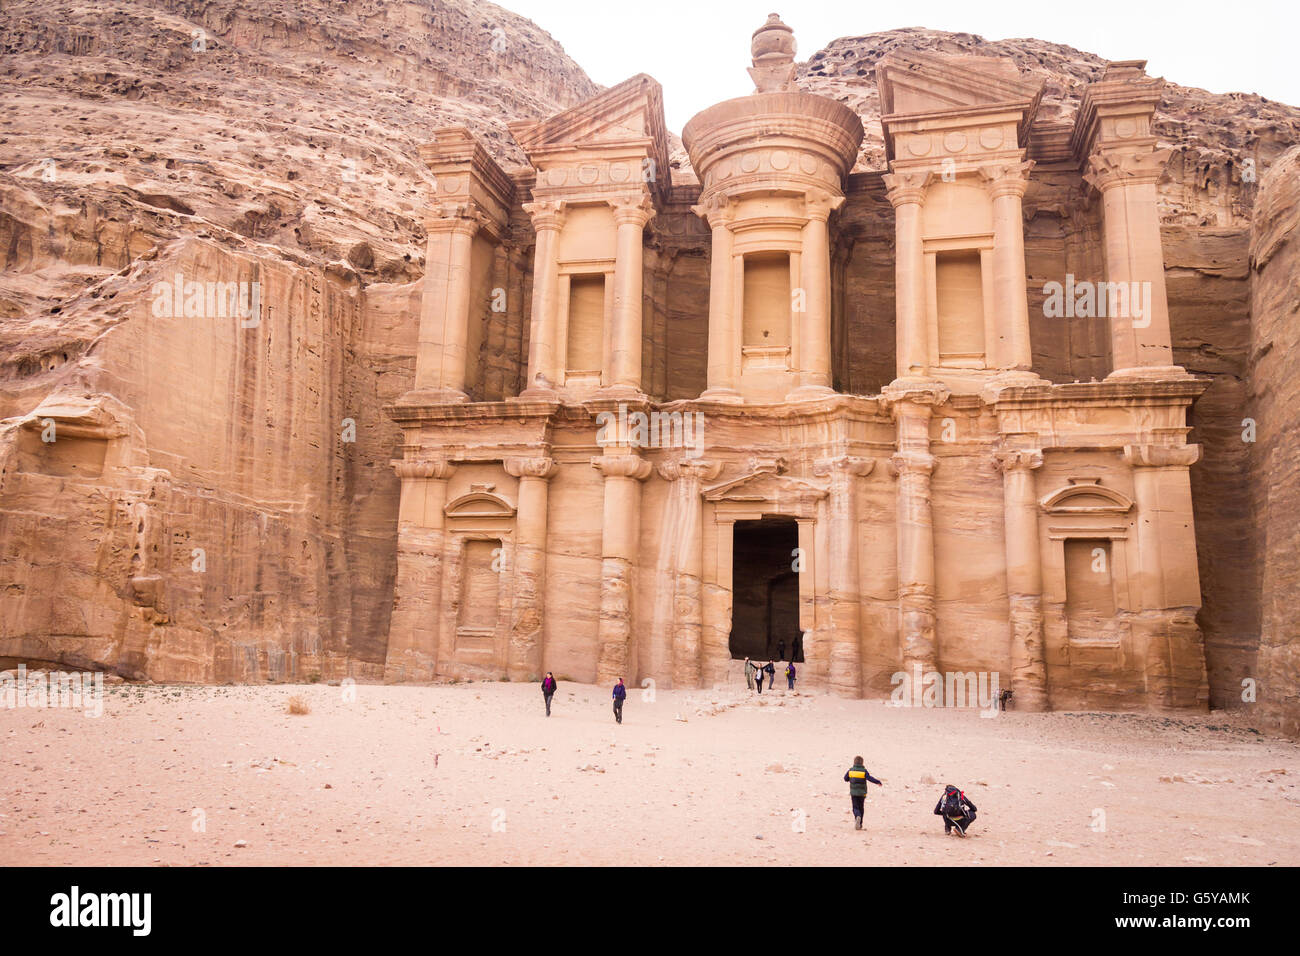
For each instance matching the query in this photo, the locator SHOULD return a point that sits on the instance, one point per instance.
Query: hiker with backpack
(857, 777)
(790, 675)
(770, 671)
(548, 690)
(956, 809)
(620, 695)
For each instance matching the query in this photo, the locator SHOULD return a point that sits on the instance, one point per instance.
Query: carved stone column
(1169, 592)
(442, 350)
(913, 464)
(527, 631)
(907, 194)
(1024, 577)
(815, 277)
(630, 217)
(415, 625)
(544, 360)
(1140, 342)
(843, 614)
(621, 535)
(1006, 185)
(724, 324)
(688, 477)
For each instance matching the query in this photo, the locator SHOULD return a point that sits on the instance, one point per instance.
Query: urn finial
(773, 50)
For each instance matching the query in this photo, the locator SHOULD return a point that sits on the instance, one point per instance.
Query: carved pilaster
(619, 541)
(687, 546)
(1024, 576)
(525, 651)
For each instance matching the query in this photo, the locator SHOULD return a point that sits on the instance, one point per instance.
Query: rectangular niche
(959, 307)
(1090, 605)
(480, 591)
(586, 330)
(766, 301)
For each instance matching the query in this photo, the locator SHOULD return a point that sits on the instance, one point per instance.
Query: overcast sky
(699, 49)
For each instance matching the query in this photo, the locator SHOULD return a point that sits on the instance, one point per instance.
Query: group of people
(620, 694)
(755, 673)
(954, 806)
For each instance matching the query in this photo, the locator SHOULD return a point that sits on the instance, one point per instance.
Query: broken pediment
(630, 113)
(479, 504)
(915, 82)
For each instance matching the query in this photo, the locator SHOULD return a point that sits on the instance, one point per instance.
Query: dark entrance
(765, 591)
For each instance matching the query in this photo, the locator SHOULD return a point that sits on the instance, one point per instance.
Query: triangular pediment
(764, 486)
(918, 83)
(629, 112)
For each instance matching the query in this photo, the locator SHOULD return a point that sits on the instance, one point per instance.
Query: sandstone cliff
(218, 503)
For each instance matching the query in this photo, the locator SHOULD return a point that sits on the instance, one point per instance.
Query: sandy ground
(476, 774)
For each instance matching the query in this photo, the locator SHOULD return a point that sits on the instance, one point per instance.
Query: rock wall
(1275, 454)
(217, 502)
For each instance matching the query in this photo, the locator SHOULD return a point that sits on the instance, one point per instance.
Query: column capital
(461, 218)
(622, 466)
(1006, 179)
(632, 210)
(847, 464)
(1018, 459)
(540, 467)
(819, 204)
(437, 468)
(911, 463)
(547, 214)
(717, 210)
(1162, 456)
(1130, 166)
(689, 469)
(908, 187)
(915, 393)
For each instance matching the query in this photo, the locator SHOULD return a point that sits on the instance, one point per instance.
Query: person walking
(620, 695)
(789, 675)
(857, 778)
(770, 671)
(749, 673)
(548, 690)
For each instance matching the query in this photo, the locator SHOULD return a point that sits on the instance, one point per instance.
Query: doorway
(765, 591)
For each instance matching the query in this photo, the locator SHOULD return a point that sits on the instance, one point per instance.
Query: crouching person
(956, 809)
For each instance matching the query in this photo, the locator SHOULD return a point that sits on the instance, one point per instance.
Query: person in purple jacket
(548, 690)
(620, 695)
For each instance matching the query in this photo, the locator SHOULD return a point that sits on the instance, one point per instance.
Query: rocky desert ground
(475, 773)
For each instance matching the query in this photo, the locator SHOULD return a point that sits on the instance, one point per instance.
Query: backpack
(952, 801)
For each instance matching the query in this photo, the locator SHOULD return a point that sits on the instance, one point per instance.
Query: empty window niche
(586, 324)
(959, 300)
(479, 593)
(1090, 590)
(767, 301)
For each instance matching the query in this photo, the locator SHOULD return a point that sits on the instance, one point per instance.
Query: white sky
(699, 49)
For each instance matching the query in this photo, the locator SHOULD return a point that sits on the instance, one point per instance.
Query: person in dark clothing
(780, 648)
(770, 671)
(956, 809)
(758, 678)
(796, 650)
(548, 690)
(857, 777)
(790, 674)
(620, 695)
